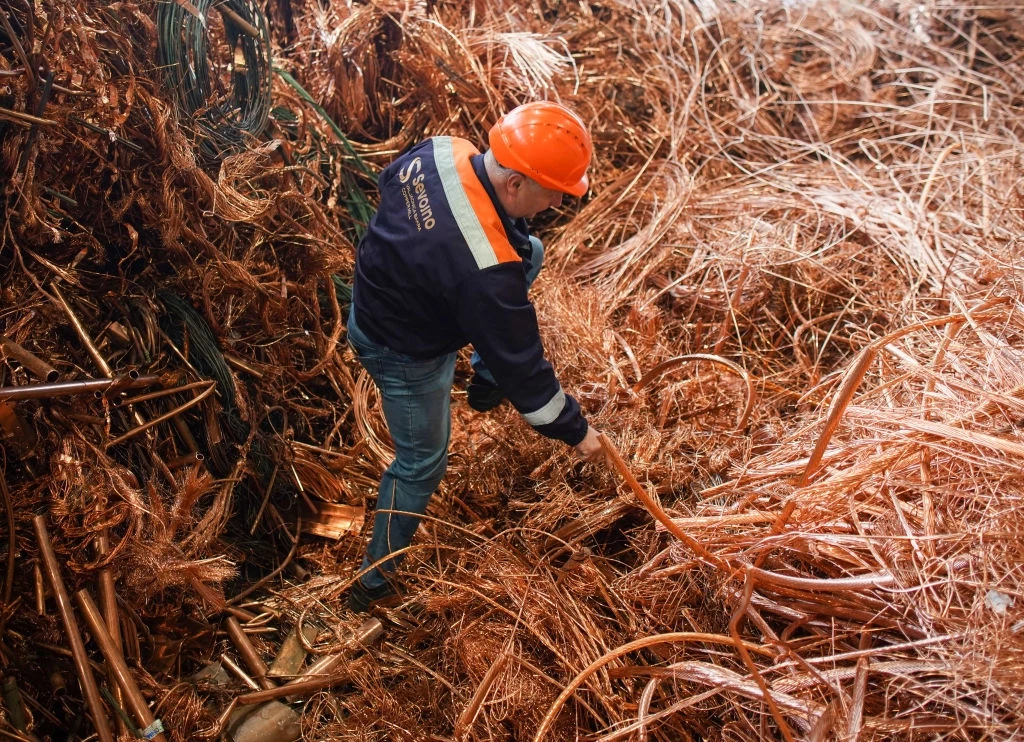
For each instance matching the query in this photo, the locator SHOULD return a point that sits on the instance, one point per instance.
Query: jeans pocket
(362, 349)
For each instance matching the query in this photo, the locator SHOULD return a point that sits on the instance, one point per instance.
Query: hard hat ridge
(546, 142)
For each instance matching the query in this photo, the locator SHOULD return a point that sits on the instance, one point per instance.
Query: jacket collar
(517, 230)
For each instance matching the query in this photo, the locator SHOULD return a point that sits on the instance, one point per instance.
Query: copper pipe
(40, 585)
(186, 434)
(166, 416)
(67, 388)
(241, 674)
(97, 358)
(245, 648)
(215, 599)
(80, 418)
(108, 599)
(85, 676)
(296, 688)
(190, 458)
(119, 384)
(325, 673)
(115, 661)
(35, 365)
(168, 391)
(12, 543)
(238, 363)
(472, 709)
(247, 28)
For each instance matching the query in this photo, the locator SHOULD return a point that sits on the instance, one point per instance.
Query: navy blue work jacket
(442, 266)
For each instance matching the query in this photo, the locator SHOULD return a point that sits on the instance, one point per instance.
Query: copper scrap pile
(791, 301)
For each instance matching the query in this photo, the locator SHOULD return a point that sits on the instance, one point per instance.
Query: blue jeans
(415, 398)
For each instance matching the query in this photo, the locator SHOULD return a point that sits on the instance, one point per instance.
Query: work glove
(483, 395)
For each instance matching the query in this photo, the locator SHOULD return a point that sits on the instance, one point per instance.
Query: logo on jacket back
(417, 202)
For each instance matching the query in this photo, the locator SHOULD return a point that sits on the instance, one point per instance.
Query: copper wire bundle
(791, 302)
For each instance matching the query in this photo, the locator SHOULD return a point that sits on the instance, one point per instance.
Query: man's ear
(515, 182)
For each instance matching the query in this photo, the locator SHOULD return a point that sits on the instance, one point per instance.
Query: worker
(447, 260)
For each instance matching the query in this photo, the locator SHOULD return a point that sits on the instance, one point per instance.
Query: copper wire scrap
(790, 302)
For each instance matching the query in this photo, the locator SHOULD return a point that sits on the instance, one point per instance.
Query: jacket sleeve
(498, 318)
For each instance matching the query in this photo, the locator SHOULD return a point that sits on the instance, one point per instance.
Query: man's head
(538, 152)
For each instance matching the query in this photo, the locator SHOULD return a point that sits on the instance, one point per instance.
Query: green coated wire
(287, 77)
(358, 204)
(226, 117)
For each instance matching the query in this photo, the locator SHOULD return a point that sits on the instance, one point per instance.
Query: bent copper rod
(67, 388)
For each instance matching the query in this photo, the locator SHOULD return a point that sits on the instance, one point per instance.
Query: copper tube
(225, 716)
(108, 599)
(247, 28)
(85, 676)
(324, 673)
(168, 391)
(37, 575)
(67, 388)
(231, 665)
(25, 118)
(190, 458)
(368, 632)
(97, 358)
(296, 688)
(252, 660)
(215, 599)
(242, 365)
(12, 543)
(469, 713)
(166, 416)
(120, 384)
(185, 433)
(80, 418)
(115, 661)
(35, 365)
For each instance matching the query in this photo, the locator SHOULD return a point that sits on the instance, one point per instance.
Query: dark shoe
(361, 598)
(483, 395)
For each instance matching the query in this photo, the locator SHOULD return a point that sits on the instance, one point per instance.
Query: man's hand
(482, 395)
(590, 449)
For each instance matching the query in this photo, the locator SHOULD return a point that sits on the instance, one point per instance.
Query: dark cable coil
(225, 109)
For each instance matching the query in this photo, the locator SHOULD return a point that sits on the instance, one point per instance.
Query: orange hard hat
(547, 142)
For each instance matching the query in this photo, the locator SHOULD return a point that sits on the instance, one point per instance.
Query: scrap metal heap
(791, 299)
